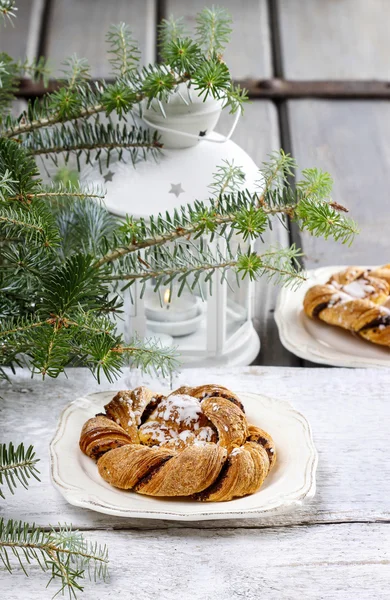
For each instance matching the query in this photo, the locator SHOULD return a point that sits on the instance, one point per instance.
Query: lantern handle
(193, 136)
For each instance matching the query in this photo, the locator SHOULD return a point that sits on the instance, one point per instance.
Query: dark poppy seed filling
(216, 486)
(385, 320)
(319, 308)
(149, 408)
(146, 478)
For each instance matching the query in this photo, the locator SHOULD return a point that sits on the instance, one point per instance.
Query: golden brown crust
(187, 473)
(190, 443)
(215, 391)
(124, 467)
(354, 299)
(127, 407)
(100, 434)
(229, 421)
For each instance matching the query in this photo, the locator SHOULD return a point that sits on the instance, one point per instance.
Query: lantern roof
(177, 177)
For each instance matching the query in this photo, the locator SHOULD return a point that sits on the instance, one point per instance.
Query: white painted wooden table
(335, 546)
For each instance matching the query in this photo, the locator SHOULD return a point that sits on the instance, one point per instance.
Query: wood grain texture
(317, 563)
(249, 52)
(81, 26)
(22, 40)
(258, 134)
(347, 409)
(351, 141)
(334, 39)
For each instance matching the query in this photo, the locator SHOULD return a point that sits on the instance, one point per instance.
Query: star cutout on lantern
(176, 189)
(202, 133)
(108, 176)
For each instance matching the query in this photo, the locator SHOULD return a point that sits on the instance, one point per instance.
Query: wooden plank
(320, 563)
(347, 39)
(258, 134)
(249, 53)
(351, 436)
(351, 141)
(22, 40)
(80, 27)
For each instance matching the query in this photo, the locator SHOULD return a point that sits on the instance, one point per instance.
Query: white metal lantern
(219, 329)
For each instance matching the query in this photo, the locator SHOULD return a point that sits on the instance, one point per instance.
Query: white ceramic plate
(317, 341)
(292, 479)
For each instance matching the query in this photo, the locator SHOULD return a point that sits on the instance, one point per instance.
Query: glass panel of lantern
(208, 329)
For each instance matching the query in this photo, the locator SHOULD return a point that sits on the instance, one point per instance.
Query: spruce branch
(37, 70)
(182, 54)
(274, 172)
(150, 356)
(315, 184)
(6, 182)
(213, 30)
(64, 553)
(94, 141)
(123, 50)
(170, 30)
(75, 71)
(17, 465)
(34, 224)
(187, 263)
(227, 179)
(321, 219)
(8, 83)
(60, 190)
(279, 265)
(8, 10)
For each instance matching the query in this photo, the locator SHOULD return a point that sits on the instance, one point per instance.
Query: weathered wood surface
(338, 547)
(351, 141)
(81, 27)
(249, 52)
(301, 563)
(334, 39)
(348, 411)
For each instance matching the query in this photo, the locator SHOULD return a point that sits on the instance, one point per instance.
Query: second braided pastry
(355, 299)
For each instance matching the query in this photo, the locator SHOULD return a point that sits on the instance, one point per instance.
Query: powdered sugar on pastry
(359, 288)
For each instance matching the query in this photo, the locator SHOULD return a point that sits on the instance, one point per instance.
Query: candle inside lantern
(172, 309)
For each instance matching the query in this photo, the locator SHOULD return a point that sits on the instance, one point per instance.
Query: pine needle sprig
(8, 83)
(75, 71)
(213, 29)
(17, 465)
(183, 55)
(93, 141)
(279, 265)
(322, 220)
(6, 181)
(315, 184)
(25, 173)
(62, 552)
(150, 356)
(8, 10)
(227, 179)
(37, 70)
(170, 30)
(275, 170)
(33, 224)
(123, 50)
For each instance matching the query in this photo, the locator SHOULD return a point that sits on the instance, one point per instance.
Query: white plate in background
(320, 342)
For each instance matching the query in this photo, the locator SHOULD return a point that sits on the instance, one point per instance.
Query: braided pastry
(355, 299)
(195, 442)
